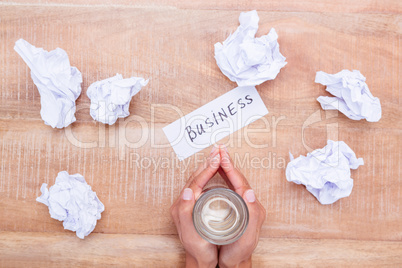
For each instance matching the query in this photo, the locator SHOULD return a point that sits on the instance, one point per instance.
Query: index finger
(200, 180)
(204, 165)
(199, 170)
(236, 178)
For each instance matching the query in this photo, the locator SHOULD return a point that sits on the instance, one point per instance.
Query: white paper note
(352, 95)
(58, 83)
(110, 98)
(215, 120)
(247, 60)
(325, 172)
(72, 201)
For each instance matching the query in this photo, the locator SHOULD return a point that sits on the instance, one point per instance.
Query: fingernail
(213, 150)
(187, 194)
(250, 196)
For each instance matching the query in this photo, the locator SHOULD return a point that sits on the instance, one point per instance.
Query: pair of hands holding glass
(199, 252)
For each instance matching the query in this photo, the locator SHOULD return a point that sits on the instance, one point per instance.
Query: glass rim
(218, 189)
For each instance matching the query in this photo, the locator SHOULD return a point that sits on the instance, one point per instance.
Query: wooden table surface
(133, 169)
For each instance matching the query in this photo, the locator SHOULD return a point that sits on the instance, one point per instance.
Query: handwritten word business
(219, 117)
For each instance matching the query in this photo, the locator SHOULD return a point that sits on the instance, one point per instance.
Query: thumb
(251, 235)
(252, 206)
(186, 206)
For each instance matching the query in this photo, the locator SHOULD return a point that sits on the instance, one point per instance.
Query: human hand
(238, 254)
(199, 252)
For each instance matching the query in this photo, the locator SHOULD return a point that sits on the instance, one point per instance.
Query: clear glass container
(220, 216)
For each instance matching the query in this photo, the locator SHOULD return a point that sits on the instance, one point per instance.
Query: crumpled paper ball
(325, 172)
(72, 201)
(110, 98)
(58, 83)
(247, 60)
(352, 95)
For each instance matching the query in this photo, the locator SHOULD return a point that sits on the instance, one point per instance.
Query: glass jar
(220, 216)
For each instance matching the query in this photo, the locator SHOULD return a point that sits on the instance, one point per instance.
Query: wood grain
(122, 250)
(134, 170)
(339, 6)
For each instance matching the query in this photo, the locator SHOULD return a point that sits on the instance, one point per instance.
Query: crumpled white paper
(58, 83)
(247, 60)
(325, 172)
(352, 95)
(110, 98)
(72, 201)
